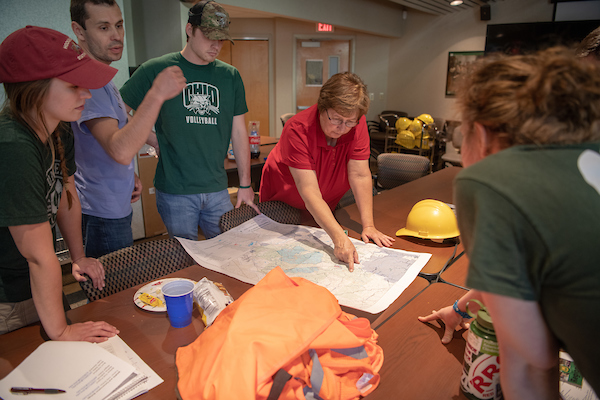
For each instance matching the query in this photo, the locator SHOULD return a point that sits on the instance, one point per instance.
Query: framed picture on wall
(459, 63)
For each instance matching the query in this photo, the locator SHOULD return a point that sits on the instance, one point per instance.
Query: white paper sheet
(115, 345)
(109, 371)
(84, 370)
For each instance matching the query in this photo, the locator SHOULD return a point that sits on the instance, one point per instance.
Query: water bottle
(254, 140)
(481, 367)
(230, 154)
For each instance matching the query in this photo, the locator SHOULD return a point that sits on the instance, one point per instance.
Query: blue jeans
(183, 213)
(103, 235)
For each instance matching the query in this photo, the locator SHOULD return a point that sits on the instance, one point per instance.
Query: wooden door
(225, 54)
(316, 61)
(251, 58)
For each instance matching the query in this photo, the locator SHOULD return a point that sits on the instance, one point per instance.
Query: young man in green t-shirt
(194, 129)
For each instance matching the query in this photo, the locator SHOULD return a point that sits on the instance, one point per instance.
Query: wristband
(80, 258)
(245, 187)
(461, 313)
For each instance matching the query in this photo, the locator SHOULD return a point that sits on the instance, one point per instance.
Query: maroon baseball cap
(34, 53)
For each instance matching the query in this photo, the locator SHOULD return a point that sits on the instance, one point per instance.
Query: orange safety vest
(281, 328)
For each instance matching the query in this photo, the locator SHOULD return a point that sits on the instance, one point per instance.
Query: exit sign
(324, 27)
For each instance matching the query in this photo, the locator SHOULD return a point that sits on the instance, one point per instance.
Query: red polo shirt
(303, 145)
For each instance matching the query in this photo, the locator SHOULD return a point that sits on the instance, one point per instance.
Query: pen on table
(27, 390)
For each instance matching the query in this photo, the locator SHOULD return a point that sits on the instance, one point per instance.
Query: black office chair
(140, 263)
(397, 169)
(387, 124)
(377, 139)
(391, 116)
(452, 154)
(60, 247)
(276, 210)
(284, 118)
(348, 198)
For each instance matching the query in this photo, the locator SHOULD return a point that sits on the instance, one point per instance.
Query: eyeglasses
(337, 121)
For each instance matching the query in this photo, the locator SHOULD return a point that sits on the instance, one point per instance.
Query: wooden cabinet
(153, 224)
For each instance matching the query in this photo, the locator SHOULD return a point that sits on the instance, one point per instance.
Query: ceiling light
(456, 2)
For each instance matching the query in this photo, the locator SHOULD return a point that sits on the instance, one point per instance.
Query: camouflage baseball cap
(212, 19)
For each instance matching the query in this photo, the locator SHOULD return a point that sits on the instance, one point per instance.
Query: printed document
(148, 378)
(572, 385)
(86, 371)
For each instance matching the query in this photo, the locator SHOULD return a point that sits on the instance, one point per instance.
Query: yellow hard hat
(430, 219)
(426, 139)
(402, 123)
(418, 135)
(426, 118)
(405, 139)
(416, 126)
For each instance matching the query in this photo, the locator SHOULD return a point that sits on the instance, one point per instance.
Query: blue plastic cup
(178, 296)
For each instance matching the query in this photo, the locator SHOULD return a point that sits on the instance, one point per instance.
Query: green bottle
(480, 378)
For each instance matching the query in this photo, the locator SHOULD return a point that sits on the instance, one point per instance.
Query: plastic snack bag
(211, 298)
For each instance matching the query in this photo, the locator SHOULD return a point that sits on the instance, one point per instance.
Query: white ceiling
(442, 7)
(433, 7)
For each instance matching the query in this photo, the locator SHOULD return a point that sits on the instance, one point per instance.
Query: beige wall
(418, 61)
(376, 17)
(406, 73)
(371, 61)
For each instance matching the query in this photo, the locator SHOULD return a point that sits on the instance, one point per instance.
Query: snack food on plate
(150, 300)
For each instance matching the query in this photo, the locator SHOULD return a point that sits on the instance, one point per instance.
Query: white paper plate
(155, 289)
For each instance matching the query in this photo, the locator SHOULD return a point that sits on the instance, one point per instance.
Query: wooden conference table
(416, 364)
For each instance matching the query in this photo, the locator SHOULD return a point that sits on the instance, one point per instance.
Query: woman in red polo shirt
(324, 151)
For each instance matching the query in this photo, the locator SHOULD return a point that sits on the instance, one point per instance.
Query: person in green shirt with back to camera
(528, 210)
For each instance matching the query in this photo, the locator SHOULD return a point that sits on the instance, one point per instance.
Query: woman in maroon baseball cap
(47, 78)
